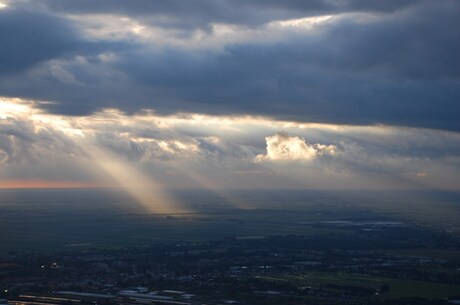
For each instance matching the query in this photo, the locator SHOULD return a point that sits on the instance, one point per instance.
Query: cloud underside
(339, 62)
(202, 151)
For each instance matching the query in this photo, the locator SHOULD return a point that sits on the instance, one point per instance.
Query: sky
(230, 94)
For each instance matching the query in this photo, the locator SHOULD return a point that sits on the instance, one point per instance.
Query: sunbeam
(144, 189)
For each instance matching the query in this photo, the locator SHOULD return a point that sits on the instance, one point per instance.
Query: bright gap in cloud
(13, 107)
(307, 22)
(152, 35)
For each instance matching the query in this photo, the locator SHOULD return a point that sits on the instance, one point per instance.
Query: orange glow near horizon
(46, 184)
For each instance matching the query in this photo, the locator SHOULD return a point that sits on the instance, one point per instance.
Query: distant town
(334, 268)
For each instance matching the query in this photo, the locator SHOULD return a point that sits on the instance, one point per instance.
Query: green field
(49, 220)
(398, 287)
(51, 233)
(428, 253)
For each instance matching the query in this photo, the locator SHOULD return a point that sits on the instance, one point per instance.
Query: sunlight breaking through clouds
(307, 22)
(138, 185)
(217, 152)
(335, 62)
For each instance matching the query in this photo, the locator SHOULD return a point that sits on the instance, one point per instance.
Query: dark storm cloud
(29, 37)
(32, 36)
(399, 71)
(399, 67)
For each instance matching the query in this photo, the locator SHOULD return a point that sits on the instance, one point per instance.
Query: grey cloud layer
(397, 65)
(201, 13)
(31, 37)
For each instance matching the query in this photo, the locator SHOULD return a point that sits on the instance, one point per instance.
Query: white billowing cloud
(282, 147)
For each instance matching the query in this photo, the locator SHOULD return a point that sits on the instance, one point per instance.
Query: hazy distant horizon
(39, 219)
